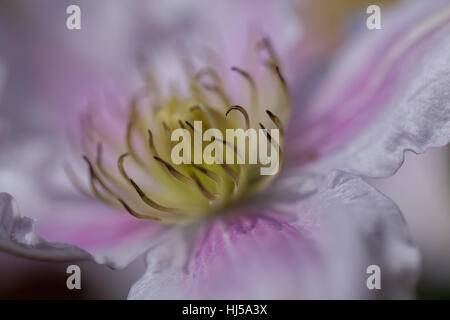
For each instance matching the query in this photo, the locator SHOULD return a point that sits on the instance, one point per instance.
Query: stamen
(243, 112)
(149, 78)
(86, 125)
(216, 87)
(280, 152)
(269, 137)
(230, 145)
(94, 177)
(99, 154)
(253, 89)
(175, 173)
(246, 75)
(151, 144)
(208, 72)
(87, 138)
(233, 176)
(206, 186)
(219, 92)
(190, 125)
(149, 201)
(99, 164)
(202, 189)
(166, 127)
(281, 77)
(97, 177)
(130, 146)
(181, 124)
(192, 128)
(208, 116)
(121, 167)
(210, 174)
(273, 62)
(276, 121)
(142, 195)
(265, 44)
(136, 214)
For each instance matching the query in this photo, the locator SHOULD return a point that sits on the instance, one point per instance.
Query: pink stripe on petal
(384, 73)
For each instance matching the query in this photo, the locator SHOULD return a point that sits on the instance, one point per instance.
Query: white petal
(17, 236)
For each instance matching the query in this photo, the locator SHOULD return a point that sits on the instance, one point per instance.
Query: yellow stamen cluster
(137, 174)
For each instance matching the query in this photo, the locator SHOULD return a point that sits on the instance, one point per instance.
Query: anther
(210, 174)
(253, 88)
(208, 195)
(269, 137)
(149, 201)
(99, 154)
(136, 214)
(190, 125)
(166, 127)
(175, 173)
(97, 177)
(181, 124)
(141, 194)
(281, 77)
(94, 177)
(267, 45)
(130, 146)
(276, 121)
(233, 176)
(121, 167)
(243, 112)
(216, 86)
(246, 75)
(99, 163)
(194, 108)
(151, 143)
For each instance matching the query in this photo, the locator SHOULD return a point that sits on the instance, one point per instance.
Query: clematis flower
(212, 231)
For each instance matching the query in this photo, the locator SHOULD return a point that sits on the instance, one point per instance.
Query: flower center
(136, 172)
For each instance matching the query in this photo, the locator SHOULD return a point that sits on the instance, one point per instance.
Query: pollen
(129, 165)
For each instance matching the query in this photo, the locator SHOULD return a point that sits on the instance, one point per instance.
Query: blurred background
(42, 65)
(421, 188)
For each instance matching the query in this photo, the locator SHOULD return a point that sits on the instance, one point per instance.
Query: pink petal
(388, 93)
(318, 245)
